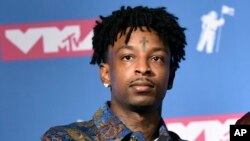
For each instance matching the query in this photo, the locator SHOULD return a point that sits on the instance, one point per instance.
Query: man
(138, 51)
(244, 120)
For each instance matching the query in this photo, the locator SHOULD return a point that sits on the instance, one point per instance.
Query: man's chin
(141, 108)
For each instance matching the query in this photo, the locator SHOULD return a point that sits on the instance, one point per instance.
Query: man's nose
(143, 67)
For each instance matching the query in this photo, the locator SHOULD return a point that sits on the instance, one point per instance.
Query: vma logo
(207, 128)
(46, 40)
(211, 29)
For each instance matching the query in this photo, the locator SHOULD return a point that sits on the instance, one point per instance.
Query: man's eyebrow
(156, 49)
(124, 47)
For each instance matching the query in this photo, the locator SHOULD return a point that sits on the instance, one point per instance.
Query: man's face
(138, 72)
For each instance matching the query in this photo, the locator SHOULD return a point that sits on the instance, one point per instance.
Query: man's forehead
(136, 48)
(124, 37)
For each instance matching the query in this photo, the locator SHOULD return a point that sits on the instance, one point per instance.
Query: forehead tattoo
(143, 42)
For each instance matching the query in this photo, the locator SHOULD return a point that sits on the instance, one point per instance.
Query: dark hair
(157, 19)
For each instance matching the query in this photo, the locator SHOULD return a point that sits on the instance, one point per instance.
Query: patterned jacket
(104, 126)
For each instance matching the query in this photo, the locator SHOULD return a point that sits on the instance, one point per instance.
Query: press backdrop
(46, 79)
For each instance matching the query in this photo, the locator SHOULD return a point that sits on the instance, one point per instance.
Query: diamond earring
(106, 85)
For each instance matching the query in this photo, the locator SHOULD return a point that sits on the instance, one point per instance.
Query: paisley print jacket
(104, 126)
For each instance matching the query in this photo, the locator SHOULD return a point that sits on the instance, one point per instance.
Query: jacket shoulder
(72, 132)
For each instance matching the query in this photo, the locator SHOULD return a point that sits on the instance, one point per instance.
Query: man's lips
(142, 85)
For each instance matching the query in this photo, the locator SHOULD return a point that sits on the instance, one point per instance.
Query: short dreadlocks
(157, 19)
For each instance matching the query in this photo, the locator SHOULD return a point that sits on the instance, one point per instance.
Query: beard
(144, 109)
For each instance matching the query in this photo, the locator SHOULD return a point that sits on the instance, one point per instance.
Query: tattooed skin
(143, 42)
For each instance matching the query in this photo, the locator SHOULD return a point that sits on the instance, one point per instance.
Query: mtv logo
(46, 40)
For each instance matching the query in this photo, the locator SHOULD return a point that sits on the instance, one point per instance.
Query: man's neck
(147, 123)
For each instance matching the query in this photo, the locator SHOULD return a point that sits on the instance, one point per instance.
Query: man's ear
(171, 78)
(105, 73)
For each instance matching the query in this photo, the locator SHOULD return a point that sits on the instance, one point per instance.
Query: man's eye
(157, 59)
(127, 58)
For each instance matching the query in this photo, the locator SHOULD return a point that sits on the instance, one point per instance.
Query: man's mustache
(141, 80)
